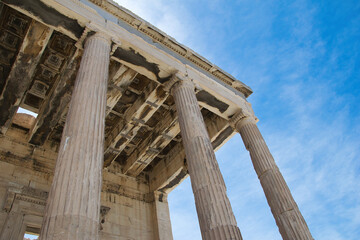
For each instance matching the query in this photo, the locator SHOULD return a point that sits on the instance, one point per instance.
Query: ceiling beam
(169, 172)
(135, 117)
(22, 71)
(153, 59)
(57, 102)
(165, 131)
(118, 82)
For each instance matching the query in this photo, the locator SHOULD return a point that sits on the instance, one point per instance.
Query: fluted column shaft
(216, 218)
(289, 220)
(73, 206)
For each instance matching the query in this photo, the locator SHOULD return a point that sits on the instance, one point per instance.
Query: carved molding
(26, 194)
(30, 200)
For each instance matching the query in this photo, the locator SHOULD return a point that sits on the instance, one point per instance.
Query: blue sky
(31, 236)
(301, 58)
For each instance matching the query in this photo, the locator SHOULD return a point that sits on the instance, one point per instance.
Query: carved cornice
(30, 200)
(25, 194)
(32, 192)
(158, 36)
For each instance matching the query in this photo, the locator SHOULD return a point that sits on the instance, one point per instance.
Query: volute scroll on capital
(93, 30)
(176, 81)
(114, 42)
(241, 118)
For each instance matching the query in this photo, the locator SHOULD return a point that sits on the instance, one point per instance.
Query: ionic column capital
(97, 33)
(177, 81)
(240, 119)
(182, 83)
(169, 84)
(101, 36)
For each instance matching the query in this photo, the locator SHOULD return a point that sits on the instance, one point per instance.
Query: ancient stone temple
(124, 114)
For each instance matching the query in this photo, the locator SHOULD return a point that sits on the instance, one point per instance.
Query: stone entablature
(159, 36)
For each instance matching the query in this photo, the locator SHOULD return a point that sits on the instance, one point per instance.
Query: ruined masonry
(124, 114)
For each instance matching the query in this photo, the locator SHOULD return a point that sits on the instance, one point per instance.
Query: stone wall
(128, 209)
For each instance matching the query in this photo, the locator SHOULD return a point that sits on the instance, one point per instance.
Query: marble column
(73, 206)
(215, 214)
(289, 220)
